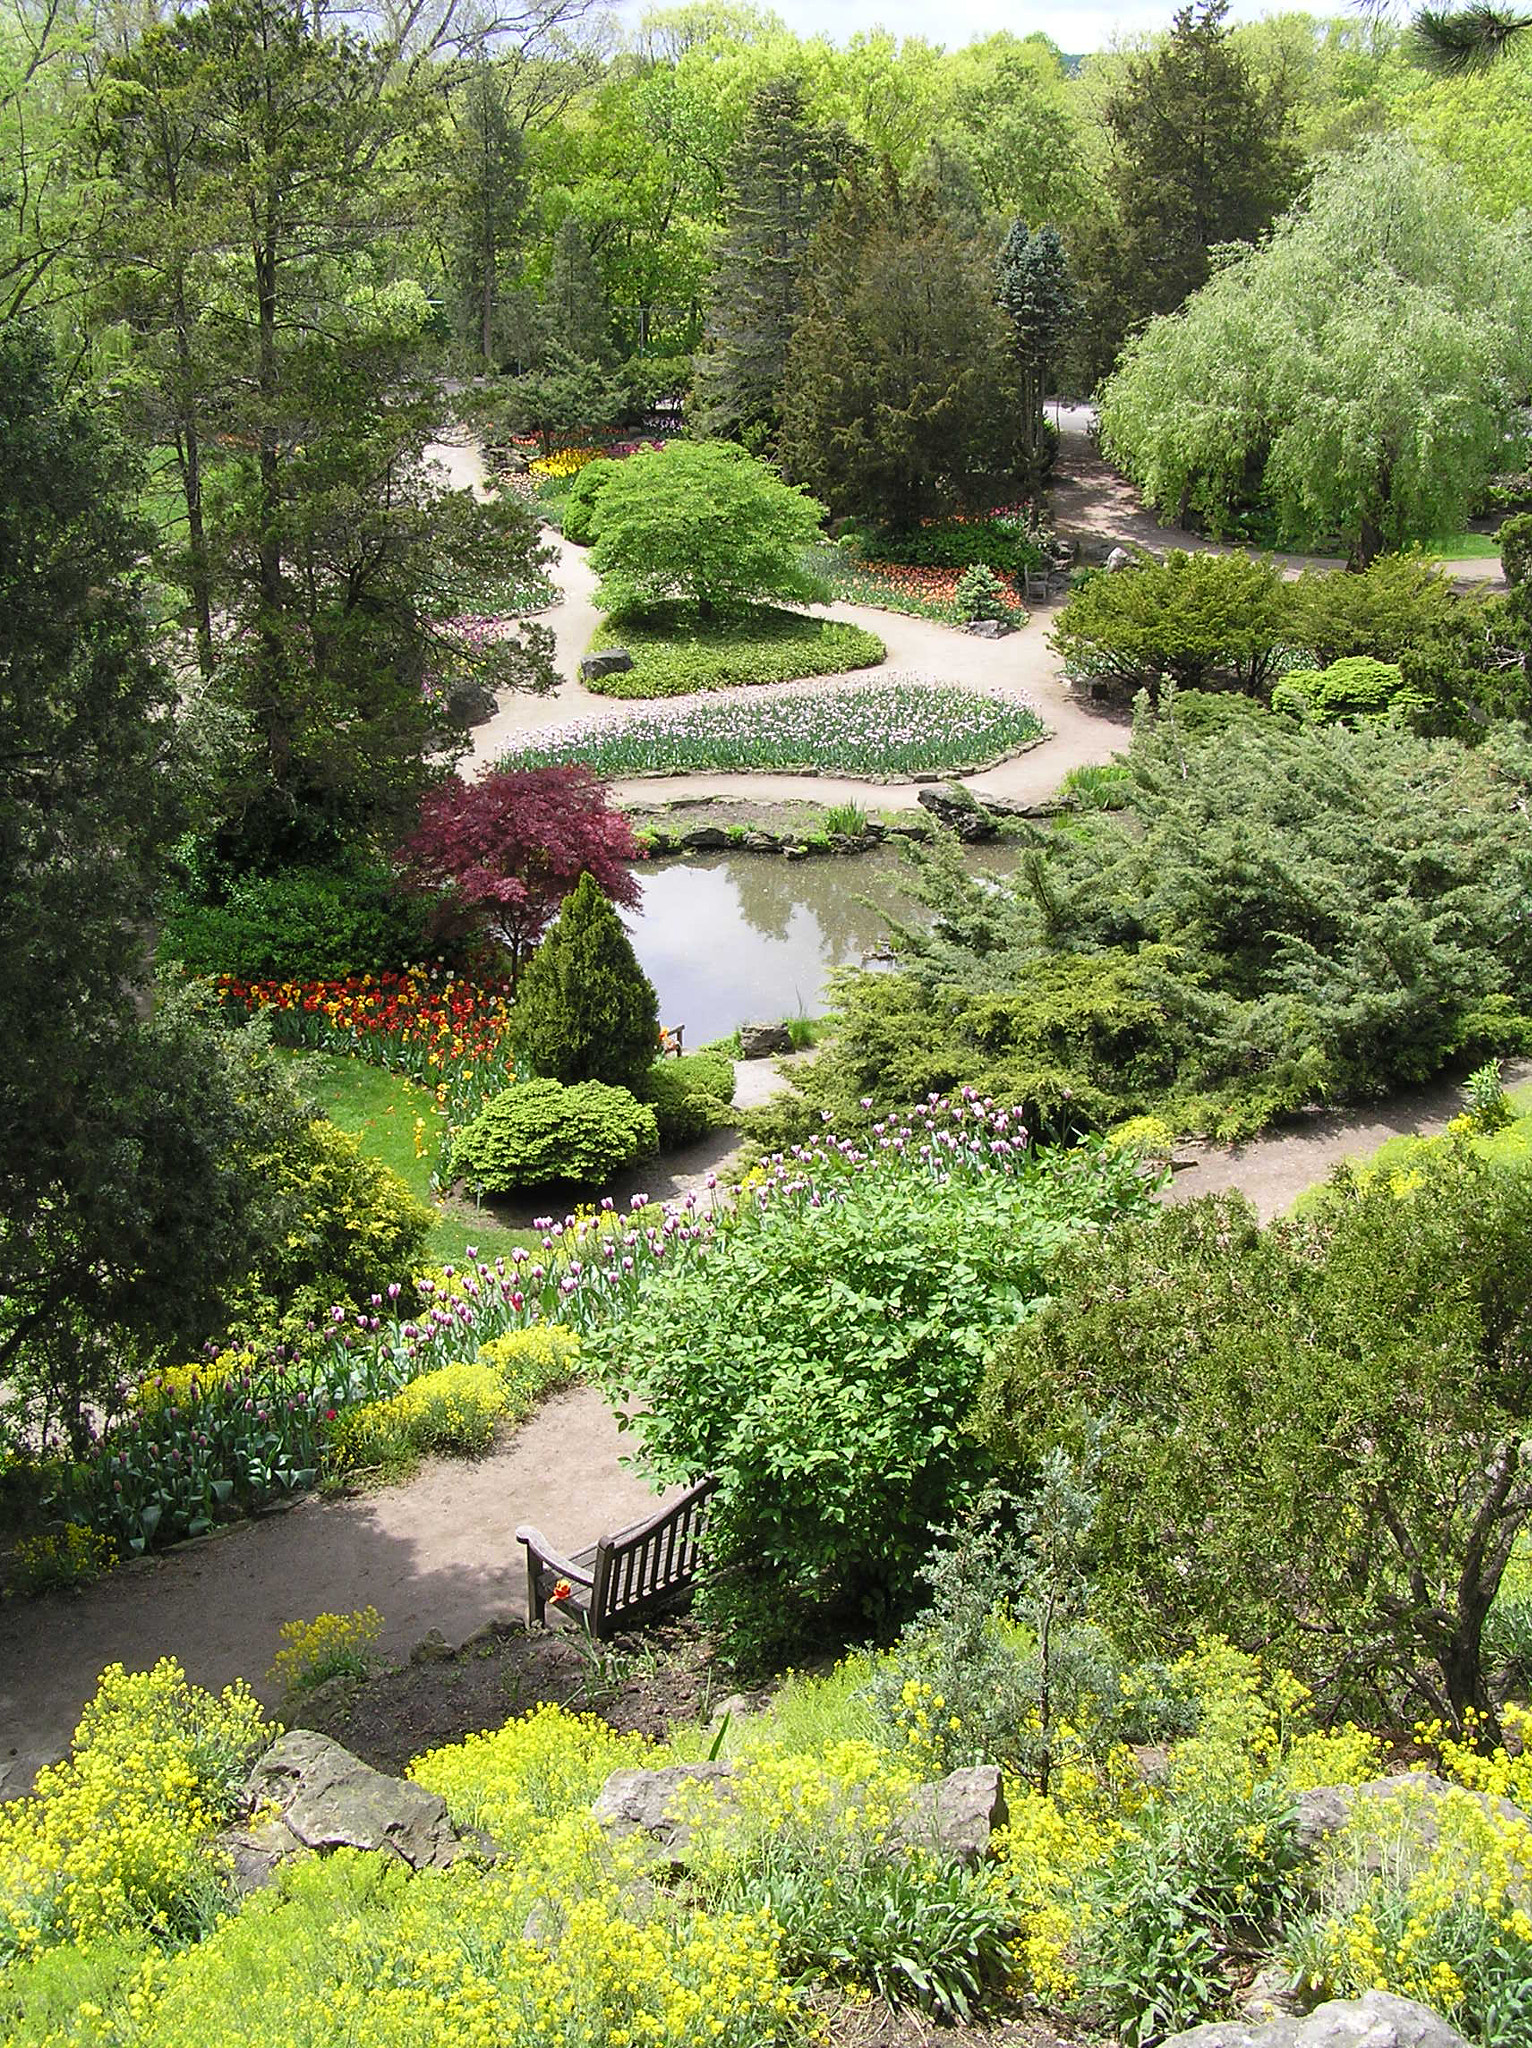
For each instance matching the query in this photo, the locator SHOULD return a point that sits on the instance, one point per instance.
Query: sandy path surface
(438, 1552)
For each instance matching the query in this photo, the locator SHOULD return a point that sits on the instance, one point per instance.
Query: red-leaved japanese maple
(509, 848)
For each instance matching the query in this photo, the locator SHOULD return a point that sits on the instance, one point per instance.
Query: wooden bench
(626, 1578)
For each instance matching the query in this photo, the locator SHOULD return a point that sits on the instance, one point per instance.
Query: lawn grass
(1463, 547)
(674, 651)
(379, 1110)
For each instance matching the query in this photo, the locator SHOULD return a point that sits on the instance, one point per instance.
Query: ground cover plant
(892, 728)
(676, 652)
(1281, 914)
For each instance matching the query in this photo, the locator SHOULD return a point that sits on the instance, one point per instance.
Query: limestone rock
(959, 810)
(705, 839)
(762, 842)
(987, 629)
(433, 1648)
(326, 1799)
(764, 1041)
(957, 1815)
(1118, 559)
(1375, 2020)
(654, 1803)
(471, 703)
(611, 661)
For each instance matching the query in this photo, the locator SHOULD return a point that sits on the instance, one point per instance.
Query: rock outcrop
(1375, 2020)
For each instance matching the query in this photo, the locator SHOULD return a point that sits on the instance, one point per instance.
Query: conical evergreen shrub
(585, 1010)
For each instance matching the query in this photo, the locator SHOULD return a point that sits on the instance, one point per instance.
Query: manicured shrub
(578, 512)
(585, 1010)
(542, 1133)
(689, 1096)
(981, 594)
(1354, 687)
(296, 925)
(1204, 620)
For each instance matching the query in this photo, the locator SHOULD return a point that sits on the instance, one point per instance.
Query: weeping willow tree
(1355, 377)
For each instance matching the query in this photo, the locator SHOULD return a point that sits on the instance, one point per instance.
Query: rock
(326, 1799)
(471, 703)
(764, 1041)
(988, 629)
(433, 1648)
(1269, 1994)
(655, 1803)
(762, 842)
(957, 1815)
(1375, 2020)
(1327, 1808)
(959, 810)
(611, 661)
(704, 839)
(795, 850)
(1118, 559)
(729, 1708)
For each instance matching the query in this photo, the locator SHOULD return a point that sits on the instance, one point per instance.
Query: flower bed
(876, 730)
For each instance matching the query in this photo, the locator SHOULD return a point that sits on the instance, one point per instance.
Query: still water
(730, 939)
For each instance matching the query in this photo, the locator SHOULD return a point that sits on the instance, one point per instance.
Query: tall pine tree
(1037, 296)
(782, 180)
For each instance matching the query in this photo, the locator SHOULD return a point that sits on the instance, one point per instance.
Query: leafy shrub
(1396, 603)
(689, 1096)
(1378, 1343)
(1203, 620)
(531, 1363)
(981, 594)
(821, 1362)
(1005, 544)
(675, 654)
(848, 820)
(298, 924)
(329, 1646)
(1106, 786)
(453, 1410)
(585, 1010)
(116, 1837)
(1354, 687)
(542, 1133)
(578, 511)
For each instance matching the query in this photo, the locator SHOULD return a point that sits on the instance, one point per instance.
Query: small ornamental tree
(703, 523)
(509, 848)
(586, 1011)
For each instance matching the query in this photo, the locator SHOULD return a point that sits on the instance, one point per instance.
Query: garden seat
(670, 1039)
(627, 1578)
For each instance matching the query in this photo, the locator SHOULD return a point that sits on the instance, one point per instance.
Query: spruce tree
(575, 309)
(1037, 296)
(585, 1010)
(781, 182)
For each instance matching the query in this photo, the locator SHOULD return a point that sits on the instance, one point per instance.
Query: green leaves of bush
(689, 1096)
(542, 1133)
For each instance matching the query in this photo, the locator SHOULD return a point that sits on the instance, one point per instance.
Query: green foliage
(1515, 543)
(542, 1134)
(1198, 619)
(690, 1096)
(585, 1011)
(821, 1365)
(848, 821)
(577, 513)
(1007, 543)
(300, 923)
(1311, 1434)
(1396, 604)
(1354, 687)
(1282, 915)
(675, 652)
(702, 523)
(1352, 377)
(980, 594)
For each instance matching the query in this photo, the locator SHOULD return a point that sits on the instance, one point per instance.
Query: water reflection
(729, 939)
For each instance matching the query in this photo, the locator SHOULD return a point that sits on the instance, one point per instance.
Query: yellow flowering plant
(329, 1646)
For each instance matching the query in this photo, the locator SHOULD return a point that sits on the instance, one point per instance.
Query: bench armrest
(566, 1568)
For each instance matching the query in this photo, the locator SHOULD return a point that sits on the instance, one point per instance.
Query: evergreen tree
(901, 395)
(585, 1010)
(1037, 295)
(781, 182)
(1202, 153)
(491, 193)
(575, 309)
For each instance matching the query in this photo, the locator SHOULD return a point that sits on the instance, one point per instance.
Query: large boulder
(957, 1815)
(610, 661)
(959, 810)
(705, 839)
(307, 1793)
(764, 1041)
(1375, 2020)
(471, 703)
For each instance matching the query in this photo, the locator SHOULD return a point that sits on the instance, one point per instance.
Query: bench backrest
(639, 1569)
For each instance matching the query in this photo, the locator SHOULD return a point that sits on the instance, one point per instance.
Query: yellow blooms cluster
(452, 1409)
(533, 1770)
(532, 1363)
(71, 1556)
(326, 1647)
(115, 1838)
(563, 462)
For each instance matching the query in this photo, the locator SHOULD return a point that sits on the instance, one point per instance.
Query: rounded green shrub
(579, 510)
(981, 594)
(543, 1132)
(1354, 687)
(585, 1010)
(689, 1096)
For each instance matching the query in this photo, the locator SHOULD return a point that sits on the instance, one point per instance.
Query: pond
(741, 938)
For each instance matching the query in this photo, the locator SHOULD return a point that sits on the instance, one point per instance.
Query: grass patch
(674, 652)
(1463, 547)
(380, 1110)
(890, 729)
